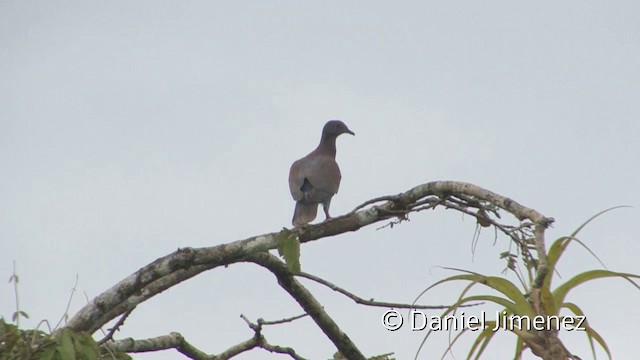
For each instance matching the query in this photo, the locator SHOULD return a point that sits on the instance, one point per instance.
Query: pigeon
(315, 178)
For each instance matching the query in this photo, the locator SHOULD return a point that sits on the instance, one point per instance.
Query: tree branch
(183, 264)
(309, 303)
(176, 341)
(361, 301)
(115, 327)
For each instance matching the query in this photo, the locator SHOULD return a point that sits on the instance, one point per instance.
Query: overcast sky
(129, 129)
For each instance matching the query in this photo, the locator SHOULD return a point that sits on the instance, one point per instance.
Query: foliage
(289, 249)
(517, 302)
(37, 345)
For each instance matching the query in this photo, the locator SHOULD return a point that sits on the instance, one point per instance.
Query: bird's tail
(304, 213)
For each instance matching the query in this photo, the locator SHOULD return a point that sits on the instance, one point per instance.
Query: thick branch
(171, 341)
(183, 264)
(309, 303)
(176, 341)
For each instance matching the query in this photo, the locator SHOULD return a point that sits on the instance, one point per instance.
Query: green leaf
(4, 327)
(18, 314)
(289, 249)
(558, 247)
(520, 346)
(520, 304)
(64, 348)
(282, 239)
(47, 354)
(86, 346)
(553, 255)
(591, 333)
(594, 335)
(8, 340)
(575, 233)
(449, 279)
(560, 293)
(483, 340)
(451, 343)
(511, 307)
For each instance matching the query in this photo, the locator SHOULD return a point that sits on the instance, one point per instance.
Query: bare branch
(281, 350)
(172, 341)
(372, 302)
(375, 200)
(237, 349)
(262, 342)
(115, 327)
(308, 302)
(176, 341)
(282, 321)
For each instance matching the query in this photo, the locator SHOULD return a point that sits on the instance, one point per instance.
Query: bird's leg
(325, 207)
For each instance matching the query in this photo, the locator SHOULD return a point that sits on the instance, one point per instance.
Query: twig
(375, 200)
(262, 342)
(65, 315)
(14, 277)
(372, 302)
(282, 321)
(115, 327)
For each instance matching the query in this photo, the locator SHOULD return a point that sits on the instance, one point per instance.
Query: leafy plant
(35, 344)
(518, 305)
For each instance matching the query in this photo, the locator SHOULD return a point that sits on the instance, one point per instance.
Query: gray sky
(129, 129)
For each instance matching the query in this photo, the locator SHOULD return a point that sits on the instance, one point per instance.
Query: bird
(315, 178)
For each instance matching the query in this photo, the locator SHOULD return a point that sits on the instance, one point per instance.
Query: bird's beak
(350, 132)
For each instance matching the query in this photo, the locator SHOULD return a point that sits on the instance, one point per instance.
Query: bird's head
(335, 128)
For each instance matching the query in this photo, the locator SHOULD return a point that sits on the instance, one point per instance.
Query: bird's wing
(323, 174)
(296, 179)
